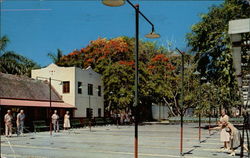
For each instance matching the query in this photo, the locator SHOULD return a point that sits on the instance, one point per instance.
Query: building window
(66, 86)
(79, 87)
(99, 112)
(90, 89)
(89, 112)
(99, 91)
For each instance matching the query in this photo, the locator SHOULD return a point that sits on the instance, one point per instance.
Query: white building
(160, 111)
(235, 30)
(82, 88)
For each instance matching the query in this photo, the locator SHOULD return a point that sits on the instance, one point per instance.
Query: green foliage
(57, 56)
(3, 43)
(118, 88)
(114, 59)
(13, 63)
(211, 42)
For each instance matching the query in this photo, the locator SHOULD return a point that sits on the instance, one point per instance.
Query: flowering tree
(114, 59)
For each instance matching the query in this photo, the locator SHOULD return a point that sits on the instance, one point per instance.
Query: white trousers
(8, 129)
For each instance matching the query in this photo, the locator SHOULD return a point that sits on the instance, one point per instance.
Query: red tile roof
(13, 86)
(28, 103)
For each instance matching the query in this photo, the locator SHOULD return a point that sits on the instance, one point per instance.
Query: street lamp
(89, 109)
(116, 110)
(182, 97)
(113, 3)
(199, 74)
(89, 115)
(50, 100)
(209, 100)
(116, 3)
(202, 79)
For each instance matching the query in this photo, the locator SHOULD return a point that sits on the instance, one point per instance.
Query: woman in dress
(66, 124)
(234, 138)
(224, 135)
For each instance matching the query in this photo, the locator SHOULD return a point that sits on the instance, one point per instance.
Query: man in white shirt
(8, 123)
(55, 121)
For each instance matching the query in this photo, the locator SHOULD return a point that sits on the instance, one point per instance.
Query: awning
(28, 103)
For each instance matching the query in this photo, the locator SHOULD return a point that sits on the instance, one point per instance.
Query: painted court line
(102, 151)
(83, 140)
(30, 156)
(102, 144)
(123, 135)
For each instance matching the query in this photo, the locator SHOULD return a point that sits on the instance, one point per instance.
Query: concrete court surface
(155, 141)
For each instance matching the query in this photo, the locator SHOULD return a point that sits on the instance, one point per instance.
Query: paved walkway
(112, 142)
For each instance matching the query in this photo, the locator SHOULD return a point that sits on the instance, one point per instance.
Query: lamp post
(209, 100)
(199, 74)
(218, 103)
(116, 3)
(201, 79)
(50, 99)
(89, 115)
(90, 112)
(182, 98)
(89, 109)
(116, 111)
(50, 110)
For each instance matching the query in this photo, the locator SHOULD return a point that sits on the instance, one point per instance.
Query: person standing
(222, 126)
(234, 138)
(55, 121)
(66, 123)
(20, 122)
(224, 135)
(8, 124)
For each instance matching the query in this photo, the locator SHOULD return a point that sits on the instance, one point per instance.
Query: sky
(38, 27)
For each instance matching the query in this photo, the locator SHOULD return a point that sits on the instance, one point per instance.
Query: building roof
(28, 103)
(54, 66)
(20, 87)
(239, 26)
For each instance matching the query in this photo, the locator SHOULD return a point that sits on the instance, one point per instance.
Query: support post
(136, 78)
(200, 111)
(89, 115)
(50, 110)
(182, 100)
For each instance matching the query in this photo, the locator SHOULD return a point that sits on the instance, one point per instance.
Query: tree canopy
(114, 59)
(210, 41)
(13, 63)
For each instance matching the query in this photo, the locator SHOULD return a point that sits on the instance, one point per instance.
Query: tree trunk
(169, 107)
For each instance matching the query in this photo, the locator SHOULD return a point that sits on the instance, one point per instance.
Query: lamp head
(204, 78)
(152, 35)
(196, 73)
(113, 3)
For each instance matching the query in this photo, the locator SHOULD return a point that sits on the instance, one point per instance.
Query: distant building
(82, 88)
(241, 59)
(160, 111)
(33, 96)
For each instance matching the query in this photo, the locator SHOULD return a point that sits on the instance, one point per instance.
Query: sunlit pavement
(112, 142)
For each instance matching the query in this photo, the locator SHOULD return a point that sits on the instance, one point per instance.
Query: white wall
(75, 75)
(84, 101)
(160, 111)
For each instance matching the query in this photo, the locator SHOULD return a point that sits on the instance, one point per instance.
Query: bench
(2, 130)
(238, 120)
(41, 124)
(75, 123)
(174, 120)
(99, 121)
(85, 121)
(109, 120)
